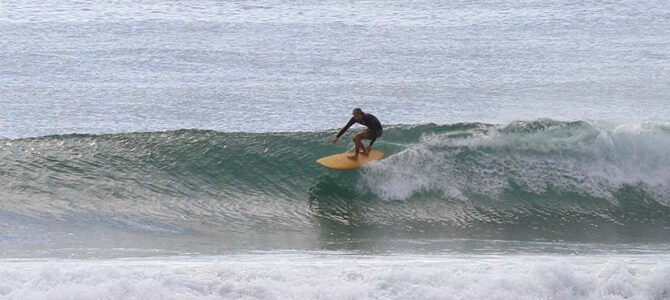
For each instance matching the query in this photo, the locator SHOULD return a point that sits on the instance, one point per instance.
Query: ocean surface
(165, 150)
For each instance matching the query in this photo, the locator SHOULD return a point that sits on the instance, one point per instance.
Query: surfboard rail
(340, 161)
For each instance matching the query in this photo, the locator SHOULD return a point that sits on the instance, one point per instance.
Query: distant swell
(536, 178)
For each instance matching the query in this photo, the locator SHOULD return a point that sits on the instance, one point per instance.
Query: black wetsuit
(369, 121)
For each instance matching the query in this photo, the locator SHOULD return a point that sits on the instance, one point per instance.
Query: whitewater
(166, 150)
(341, 276)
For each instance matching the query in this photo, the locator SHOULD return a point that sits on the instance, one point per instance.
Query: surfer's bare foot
(354, 158)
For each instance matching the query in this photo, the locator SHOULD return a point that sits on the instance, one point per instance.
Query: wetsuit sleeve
(346, 127)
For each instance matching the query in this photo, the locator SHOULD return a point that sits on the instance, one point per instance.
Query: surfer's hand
(334, 141)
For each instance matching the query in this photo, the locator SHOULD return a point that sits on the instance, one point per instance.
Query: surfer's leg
(359, 145)
(373, 137)
(368, 135)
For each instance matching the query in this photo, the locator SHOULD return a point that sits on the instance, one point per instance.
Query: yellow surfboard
(341, 162)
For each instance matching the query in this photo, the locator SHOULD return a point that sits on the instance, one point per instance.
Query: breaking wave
(530, 178)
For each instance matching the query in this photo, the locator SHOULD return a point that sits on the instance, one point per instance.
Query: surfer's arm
(344, 129)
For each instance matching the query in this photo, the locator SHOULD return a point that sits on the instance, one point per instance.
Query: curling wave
(532, 178)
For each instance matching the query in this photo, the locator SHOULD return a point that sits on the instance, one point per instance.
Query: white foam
(592, 159)
(340, 276)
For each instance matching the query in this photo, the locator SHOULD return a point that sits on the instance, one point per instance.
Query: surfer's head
(358, 114)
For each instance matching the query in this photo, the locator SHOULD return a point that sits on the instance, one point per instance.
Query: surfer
(372, 132)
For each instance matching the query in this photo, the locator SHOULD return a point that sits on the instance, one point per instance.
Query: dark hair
(358, 110)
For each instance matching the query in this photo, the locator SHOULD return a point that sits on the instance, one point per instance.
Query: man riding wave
(372, 132)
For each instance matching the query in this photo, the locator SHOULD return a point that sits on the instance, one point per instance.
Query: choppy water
(258, 66)
(527, 149)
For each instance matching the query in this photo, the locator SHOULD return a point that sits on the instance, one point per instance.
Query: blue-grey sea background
(259, 66)
(165, 149)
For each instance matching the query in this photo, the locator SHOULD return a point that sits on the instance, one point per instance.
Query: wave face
(539, 179)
